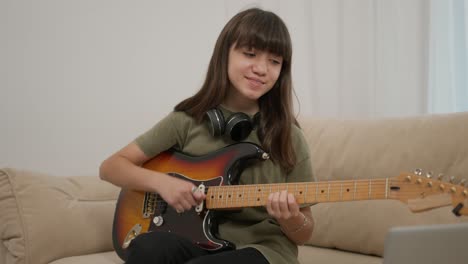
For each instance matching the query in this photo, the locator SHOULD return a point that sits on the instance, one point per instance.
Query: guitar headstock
(422, 191)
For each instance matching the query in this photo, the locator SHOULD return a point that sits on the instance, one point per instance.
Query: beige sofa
(68, 220)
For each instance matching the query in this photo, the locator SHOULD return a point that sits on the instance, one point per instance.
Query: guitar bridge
(149, 204)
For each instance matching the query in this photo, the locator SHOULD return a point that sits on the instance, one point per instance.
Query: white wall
(80, 79)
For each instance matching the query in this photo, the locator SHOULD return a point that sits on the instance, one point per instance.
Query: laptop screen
(428, 244)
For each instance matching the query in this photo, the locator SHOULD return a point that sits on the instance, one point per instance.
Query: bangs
(263, 31)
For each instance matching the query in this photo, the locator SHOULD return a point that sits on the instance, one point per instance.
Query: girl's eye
(249, 54)
(275, 61)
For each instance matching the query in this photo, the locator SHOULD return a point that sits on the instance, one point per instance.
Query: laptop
(427, 244)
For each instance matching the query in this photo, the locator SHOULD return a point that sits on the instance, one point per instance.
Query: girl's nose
(260, 66)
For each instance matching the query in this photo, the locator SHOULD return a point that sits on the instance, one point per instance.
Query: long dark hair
(262, 30)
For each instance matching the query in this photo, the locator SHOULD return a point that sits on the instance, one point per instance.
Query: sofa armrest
(46, 217)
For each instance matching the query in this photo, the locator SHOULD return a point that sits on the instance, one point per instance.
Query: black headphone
(237, 126)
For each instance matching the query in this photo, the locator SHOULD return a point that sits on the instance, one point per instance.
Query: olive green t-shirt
(249, 227)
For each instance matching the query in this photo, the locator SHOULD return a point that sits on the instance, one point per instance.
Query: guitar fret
(370, 187)
(215, 197)
(247, 195)
(305, 193)
(243, 196)
(386, 188)
(234, 196)
(259, 200)
(296, 190)
(316, 192)
(328, 192)
(341, 191)
(270, 189)
(223, 196)
(259, 192)
(251, 196)
(226, 196)
(212, 197)
(354, 195)
(220, 197)
(254, 193)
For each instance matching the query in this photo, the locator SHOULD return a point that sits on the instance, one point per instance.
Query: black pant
(167, 248)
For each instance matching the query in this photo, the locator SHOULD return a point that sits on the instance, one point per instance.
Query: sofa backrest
(35, 230)
(44, 218)
(380, 148)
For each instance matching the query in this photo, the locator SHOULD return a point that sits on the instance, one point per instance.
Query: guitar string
(377, 194)
(225, 191)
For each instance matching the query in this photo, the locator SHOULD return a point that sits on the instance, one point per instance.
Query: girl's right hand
(127, 161)
(180, 194)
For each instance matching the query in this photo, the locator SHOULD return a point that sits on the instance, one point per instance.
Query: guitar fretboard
(237, 196)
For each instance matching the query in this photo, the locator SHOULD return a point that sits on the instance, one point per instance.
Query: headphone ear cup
(238, 126)
(215, 122)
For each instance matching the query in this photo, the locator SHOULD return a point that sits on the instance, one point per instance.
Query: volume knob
(158, 220)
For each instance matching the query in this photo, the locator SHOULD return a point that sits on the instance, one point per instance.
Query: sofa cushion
(307, 255)
(381, 148)
(98, 258)
(314, 255)
(46, 217)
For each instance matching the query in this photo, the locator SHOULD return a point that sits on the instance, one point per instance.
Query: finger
(188, 197)
(283, 203)
(199, 196)
(293, 205)
(179, 209)
(186, 205)
(268, 205)
(275, 203)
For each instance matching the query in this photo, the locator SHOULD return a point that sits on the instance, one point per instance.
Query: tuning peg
(462, 182)
(429, 175)
(452, 179)
(440, 177)
(453, 190)
(418, 172)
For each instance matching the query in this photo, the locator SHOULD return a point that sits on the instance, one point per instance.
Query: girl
(249, 78)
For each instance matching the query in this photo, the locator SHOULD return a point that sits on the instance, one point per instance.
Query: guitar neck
(238, 196)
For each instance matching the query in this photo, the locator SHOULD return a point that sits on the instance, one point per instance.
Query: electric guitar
(217, 173)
